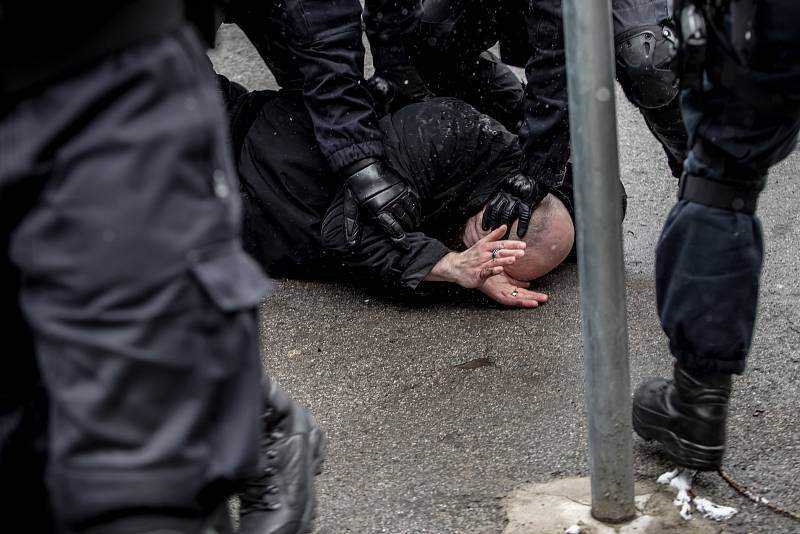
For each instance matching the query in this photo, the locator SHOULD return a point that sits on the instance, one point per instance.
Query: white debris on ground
(681, 480)
(574, 529)
(666, 477)
(683, 485)
(717, 512)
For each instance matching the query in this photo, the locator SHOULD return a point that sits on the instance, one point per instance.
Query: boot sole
(682, 452)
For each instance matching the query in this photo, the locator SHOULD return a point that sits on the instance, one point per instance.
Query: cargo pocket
(230, 277)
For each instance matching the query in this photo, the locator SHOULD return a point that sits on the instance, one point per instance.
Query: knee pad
(647, 66)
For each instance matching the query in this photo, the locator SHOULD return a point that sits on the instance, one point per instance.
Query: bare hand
(511, 292)
(484, 259)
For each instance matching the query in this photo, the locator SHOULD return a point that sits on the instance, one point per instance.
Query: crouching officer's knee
(647, 65)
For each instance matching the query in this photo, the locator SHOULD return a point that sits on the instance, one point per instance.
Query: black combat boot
(283, 500)
(686, 415)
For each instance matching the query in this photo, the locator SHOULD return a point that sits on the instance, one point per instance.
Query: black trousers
(708, 260)
(484, 81)
(456, 61)
(131, 379)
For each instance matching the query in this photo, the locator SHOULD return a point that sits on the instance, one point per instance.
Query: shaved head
(549, 238)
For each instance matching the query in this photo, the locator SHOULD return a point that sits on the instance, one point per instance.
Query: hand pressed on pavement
(511, 292)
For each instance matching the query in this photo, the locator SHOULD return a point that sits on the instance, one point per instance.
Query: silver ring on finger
(494, 253)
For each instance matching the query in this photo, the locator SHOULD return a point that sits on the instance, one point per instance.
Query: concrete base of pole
(556, 507)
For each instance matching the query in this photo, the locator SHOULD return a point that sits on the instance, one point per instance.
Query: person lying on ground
(454, 158)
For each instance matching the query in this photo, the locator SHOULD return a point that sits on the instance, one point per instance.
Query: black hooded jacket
(453, 156)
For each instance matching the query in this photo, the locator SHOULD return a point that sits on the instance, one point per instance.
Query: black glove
(517, 197)
(402, 85)
(377, 190)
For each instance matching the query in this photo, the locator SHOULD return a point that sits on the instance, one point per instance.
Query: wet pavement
(419, 443)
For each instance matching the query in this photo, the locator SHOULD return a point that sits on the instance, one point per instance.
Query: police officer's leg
(453, 61)
(482, 81)
(666, 125)
(493, 88)
(646, 68)
(140, 298)
(514, 49)
(709, 259)
(282, 497)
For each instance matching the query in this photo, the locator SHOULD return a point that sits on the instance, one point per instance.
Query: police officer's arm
(544, 137)
(323, 40)
(325, 37)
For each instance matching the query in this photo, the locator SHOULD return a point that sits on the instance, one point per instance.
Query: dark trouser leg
(645, 40)
(484, 82)
(708, 263)
(503, 95)
(544, 136)
(453, 60)
(708, 259)
(140, 300)
(666, 125)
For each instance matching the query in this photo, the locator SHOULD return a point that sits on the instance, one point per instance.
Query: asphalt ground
(418, 444)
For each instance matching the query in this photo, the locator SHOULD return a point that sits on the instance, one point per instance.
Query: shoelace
(258, 495)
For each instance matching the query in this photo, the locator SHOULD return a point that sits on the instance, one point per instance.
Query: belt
(717, 194)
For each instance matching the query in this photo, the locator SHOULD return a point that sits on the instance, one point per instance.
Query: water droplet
(221, 188)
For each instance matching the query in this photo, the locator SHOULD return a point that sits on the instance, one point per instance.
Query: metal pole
(593, 127)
